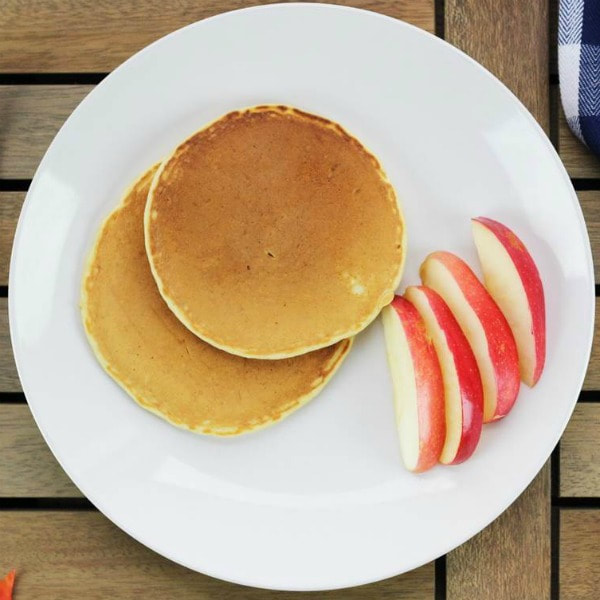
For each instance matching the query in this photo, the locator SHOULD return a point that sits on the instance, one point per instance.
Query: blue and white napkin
(579, 68)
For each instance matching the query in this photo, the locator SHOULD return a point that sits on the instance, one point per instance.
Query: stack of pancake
(223, 292)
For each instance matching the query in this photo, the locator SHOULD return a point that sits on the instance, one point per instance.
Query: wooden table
(52, 53)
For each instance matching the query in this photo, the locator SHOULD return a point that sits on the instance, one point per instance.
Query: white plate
(320, 500)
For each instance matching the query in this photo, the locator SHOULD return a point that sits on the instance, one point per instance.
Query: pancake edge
(330, 369)
(385, 298)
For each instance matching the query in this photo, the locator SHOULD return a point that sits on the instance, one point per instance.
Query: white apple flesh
(418, 386)
(463, 392)
(483, 324)
(512, 278)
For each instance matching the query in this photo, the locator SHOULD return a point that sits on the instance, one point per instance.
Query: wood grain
(510, 558)
(592, 377)
(590, 204)
(580, 453)
(578, 160)
(9, 380)
(92, 36)
(10, 208)
(11, 203)
(28, 468)
(511, 40)
(579, 554)
(30, 116)
(74, 555)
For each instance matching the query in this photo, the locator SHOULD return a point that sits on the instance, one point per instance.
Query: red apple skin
(501, 342)
(532, 284)
(428, 382)
(467, 371)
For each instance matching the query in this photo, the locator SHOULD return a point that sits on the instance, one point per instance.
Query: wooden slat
(511, 40)
(592, 378)
(74, 555)
(580, 453)
(579, 554)
(96, 36)
(590, 204)
(27, 467)
(511, 558)
(10, 204)
(10, 208)
(91, 36)
(9, 380)
(578, 160)
(30, 116)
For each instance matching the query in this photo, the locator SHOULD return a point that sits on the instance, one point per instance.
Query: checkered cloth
(579, 67)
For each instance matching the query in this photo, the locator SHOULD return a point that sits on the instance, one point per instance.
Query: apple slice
(6, 586)
(483, 324)
(513, 280)
(418, 385)
(463, 391)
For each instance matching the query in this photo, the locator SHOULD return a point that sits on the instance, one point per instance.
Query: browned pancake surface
(163, 366)
(272, 232)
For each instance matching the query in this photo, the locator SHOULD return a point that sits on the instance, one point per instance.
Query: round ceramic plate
(320, 500)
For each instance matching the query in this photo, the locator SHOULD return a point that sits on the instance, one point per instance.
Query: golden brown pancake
(273, 232)
(163, 366)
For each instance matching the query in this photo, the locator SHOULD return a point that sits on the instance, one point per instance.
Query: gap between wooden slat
(589, 396)
(14, 185)
(51, 78)
(440, 16)
(555, 553)
(553, 32)
(46, 504)
(12, 398)
(588, 503)
(441, 579)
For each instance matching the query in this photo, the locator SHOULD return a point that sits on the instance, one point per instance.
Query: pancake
(273, 232)
(164, 367)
